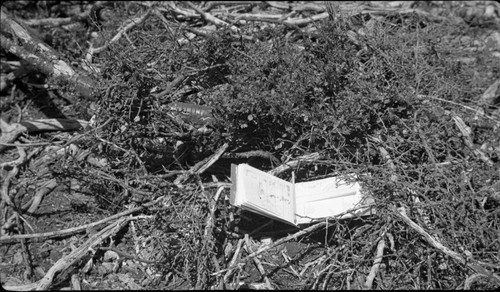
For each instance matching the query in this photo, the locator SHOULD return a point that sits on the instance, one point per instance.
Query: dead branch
(473, 264)
(178, 80)
(182, 11)
(42, 56)
(305, 21)
(478, 112)
(212, 4)
(292, 164)
(201, 166)
(11, 174)
(254, 153)
(74, 257)
(43, 190)
(69, 231)
(466, 136)
(471, 279)
(123, 29)
(57, 21)
(129, 256)
(75, 282)
(376, 264)
(286, 239)
(11, 132)
(232, 265)
(260, 268)
(492, 94)
(32, 205)
(210, 18)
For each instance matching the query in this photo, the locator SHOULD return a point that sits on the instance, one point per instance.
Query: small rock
(105, 268)
(110, 256)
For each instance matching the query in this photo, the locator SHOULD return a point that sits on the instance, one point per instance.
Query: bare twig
(123, 29)
(491, 93)
(73, 258)
(203, 165)
(43, 190)
(257, 262)
(232, 265)
(286, 239)
(255, 153)
(75, 282)
(66, 232)
(212, 4)
(304, 21)
(376, 264)
(5, 196)
(172, 85)
(57, 21)
(466, 136)
(478, 112)
(11, 132)
(469, 262)
(129, 256)
(471, 279)
(42, 56)
(210, 18)
(291, 164)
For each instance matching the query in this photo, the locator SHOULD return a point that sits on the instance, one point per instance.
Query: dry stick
(28, 261)
(316, 281)
(212, 4)
(279, 5)
(104, 175)
(291, 164)
(11, 174)
(207, 233)
(309, 7)
(488, 97)
(315, 262)
(65, 232)
(178, 10)
(376, 264)
(286, 239)
(471, 279)
(210, 18)
(470, 262)
(4, 191)
(254, 153)
(123, 29)
(210, 219)
(75, 282)
(172, 85)
(11, 132)
(31, 144)
(305, 21)
(458, 104)
(42, 56)
(44, 189)
(232, 265)
(248, 249)
(57, 21)
(75, 256)
(466, 136)
(129, 256)
(274, 18)
(201, 166)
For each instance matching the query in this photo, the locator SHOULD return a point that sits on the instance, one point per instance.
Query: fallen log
(24, 44)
